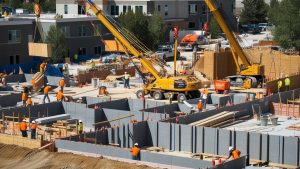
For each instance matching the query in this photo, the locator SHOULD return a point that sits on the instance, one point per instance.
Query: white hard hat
(24, 120)
(230, 148)
(136, 144)
(29, 96)
(200, 100)
(47, 83)
(33, 122)
(125, 72)
(80, 121)
(80, 98)
(62, 77)
(205, 85)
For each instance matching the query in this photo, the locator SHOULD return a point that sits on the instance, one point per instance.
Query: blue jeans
(46, 96)
(204, 103)
(33, 133)
(135, 158)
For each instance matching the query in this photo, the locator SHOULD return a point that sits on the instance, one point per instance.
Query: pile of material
(294, 127)
(216, 120)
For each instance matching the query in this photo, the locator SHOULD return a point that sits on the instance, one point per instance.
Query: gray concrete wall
(94, 100)
(10, 100)
(15, 78)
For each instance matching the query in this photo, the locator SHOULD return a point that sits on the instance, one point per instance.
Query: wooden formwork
(20, 141)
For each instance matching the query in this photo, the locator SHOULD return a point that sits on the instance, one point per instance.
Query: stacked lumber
(216, 119)
(295, 127)
(64, 124)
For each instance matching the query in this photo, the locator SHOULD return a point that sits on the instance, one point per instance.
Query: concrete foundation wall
(94, 100)
(10, 100)
(15, 78)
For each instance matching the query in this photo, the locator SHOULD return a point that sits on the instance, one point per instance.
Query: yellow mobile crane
(253, 72)
(158, 86)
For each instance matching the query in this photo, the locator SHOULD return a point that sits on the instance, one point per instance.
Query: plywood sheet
(39, 49)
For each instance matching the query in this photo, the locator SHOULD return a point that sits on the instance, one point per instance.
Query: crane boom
(225, 28)
(102, 17)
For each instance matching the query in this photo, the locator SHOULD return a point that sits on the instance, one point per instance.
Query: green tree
(157, 29)
(286, 18)
(57, 40)
(255, 11)
(214, 28)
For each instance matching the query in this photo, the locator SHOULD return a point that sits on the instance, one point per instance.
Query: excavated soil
(19, 158)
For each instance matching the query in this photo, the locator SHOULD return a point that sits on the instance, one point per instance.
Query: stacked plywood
(39, 49)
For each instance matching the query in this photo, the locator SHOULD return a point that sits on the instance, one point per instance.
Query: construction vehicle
(252, 72)
(156, 85)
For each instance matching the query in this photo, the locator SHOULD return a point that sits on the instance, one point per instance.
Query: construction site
(184, 113)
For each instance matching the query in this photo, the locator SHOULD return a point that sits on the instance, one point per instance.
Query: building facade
(188, 14)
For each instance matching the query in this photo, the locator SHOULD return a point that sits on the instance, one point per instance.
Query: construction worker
(135, 151)
(33, 129)
(33, 82)
(170, 95)
(287, 83)
(200, 106)
(204, 96)
(62, 84)
(24, 98)
(29, 101)
(23, 128)
(80, 127)
(233, 153)
(60, 96)
(279, 85)
(126, 82)
(42, 67)
(46, 92)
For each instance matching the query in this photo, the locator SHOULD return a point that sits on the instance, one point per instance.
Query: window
(129, 8)
(166, 10)
(14, 36)
(114, 10)
(66, 30)
(139, 9)
(97, 50)
(84, 30)
(11, 60)
(204, 9)
(17, 59)
(124, 9)
(97, 30)
(66, 9)
(81, 10)
(191, 25)
(158, 7)
(193, 9)
(82, 51)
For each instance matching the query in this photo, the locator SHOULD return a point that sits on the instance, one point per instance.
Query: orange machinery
(221, 86)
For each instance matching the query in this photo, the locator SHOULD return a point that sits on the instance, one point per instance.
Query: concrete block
(241, 141)
(291, 151)
(224, 141)
(275, 149)
(210, 140)
(220, 99)
(186, 138)
(164, 135)
(255, 146)
(199, 140)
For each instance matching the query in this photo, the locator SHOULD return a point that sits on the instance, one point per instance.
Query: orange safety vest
(23, 126)
(61, 83)
(236, 154)
(33, 126)
(46, 90)
(59, 95)
(24, 97)
(33, 82)
(29, 101)
(135, 151)
(200, 106)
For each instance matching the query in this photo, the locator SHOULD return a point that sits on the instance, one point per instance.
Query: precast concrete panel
(210, 140)
(176, 137)
(265, 147)
(141, 133)
(224, 141)
(291, 151)
(255, 146)
(199, 140)
(241, 142)
(164, 135)
(153, 132)
(130, 135)
(135, 104)
(110, 135)
(275, 149)
(186, 139)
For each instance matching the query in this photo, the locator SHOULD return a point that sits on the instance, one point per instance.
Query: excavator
(157, 86)
(251, 72)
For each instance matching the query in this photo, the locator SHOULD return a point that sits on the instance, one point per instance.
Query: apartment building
(188, 14)
(82, 35)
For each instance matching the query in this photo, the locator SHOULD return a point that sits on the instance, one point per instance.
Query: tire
(181, 97)
(157, 95)
(140, 94)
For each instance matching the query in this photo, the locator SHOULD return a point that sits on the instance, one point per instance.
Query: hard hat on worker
(136, 144)
(24, 120)
(80, 121)
(33, 122)
(200, 100)
(205, 85)
(29, 96)
(230, 148)
(125, 72)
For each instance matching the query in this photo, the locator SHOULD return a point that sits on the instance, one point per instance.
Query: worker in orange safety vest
(33, 129)
(233, 153)
(59, 96)
(200, 106)
(24, 98)
(23, 128)
(135, 151)
(46, 93)
(29, 101)
(62, 84)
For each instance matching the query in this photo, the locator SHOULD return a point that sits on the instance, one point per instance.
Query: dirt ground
(19, 158)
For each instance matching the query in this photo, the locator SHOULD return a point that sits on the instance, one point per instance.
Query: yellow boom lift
(158, 86)
(253, 72)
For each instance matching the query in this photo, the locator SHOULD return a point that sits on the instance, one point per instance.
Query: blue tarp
(26, 67)
(53, 71)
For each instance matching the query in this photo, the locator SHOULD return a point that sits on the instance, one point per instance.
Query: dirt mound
(17, 157)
